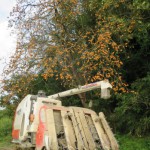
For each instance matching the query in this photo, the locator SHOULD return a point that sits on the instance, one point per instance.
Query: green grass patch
(127, 142)
(5, 126)
(5, 133)
(5, 142)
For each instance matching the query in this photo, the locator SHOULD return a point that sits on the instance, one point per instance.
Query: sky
(7, 40)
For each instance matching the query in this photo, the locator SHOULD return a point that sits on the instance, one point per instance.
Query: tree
(75, 41)
(19, 86)
(132, 115)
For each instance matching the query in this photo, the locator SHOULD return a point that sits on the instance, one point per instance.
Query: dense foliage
(5, 123)
(63, 44)
(132, 114)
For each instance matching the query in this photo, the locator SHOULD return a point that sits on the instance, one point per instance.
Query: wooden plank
(103, 137)
(85, 110)
(69, 131)
(80, 144)
(114, 144)
(51, 129)
(86, 130)
(81, 131)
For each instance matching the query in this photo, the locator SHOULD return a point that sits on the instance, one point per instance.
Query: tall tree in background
(137, 64)
(74, 41)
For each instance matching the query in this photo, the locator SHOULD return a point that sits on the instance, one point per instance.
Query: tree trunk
(83, 99)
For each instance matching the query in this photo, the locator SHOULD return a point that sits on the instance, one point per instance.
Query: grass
(5, 133)
(5, 143)
(127, 142)
(5, 126)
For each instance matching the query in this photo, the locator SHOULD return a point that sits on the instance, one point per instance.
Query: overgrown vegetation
(128, 142)
(5, 143)
(5, 129)
(133, 111)
(68, 43)
(5, 123)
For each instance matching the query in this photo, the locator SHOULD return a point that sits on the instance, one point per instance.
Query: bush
(128, 142)
(5, 126)
(132, 114)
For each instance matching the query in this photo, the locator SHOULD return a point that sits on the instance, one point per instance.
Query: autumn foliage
(73, 41)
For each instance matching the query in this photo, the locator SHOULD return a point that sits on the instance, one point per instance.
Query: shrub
(5, 126)
(132, 114)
